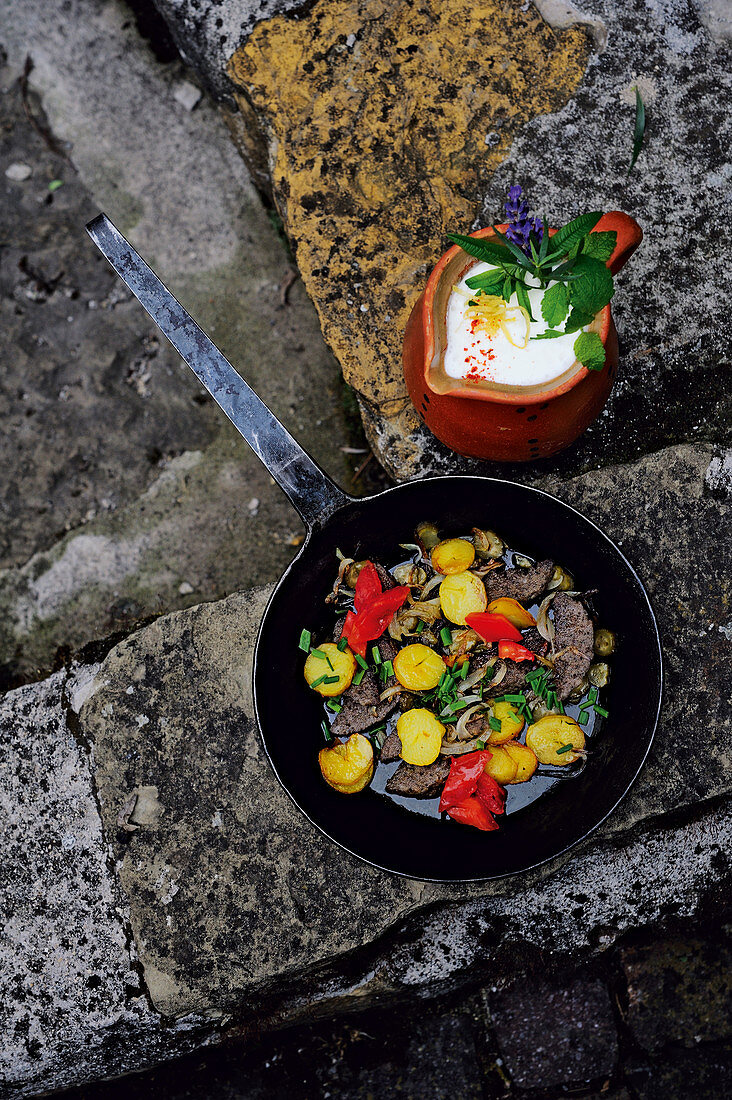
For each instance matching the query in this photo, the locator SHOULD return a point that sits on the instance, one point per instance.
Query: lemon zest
(494, 315)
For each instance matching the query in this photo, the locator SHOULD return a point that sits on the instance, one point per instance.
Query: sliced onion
(501, 670)
(433, 582)
(345, 562)
(471, 680)
(460, 728)
(457, 748)
(544, 624)
(390, 691)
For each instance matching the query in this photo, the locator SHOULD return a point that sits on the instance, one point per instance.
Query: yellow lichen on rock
(384, 123)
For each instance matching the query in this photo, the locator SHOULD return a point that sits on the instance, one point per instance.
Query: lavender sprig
(520, 224)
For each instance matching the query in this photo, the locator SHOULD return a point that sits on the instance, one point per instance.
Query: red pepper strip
(473, 812)
(348, 624)
(465, 771)
(371, 621)
(491, 794)
(492, 627)
(368, 586)
(515, 652)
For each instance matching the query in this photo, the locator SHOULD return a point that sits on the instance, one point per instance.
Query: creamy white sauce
(473, 354)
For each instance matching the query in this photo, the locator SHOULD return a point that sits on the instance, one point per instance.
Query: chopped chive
(335, 707)
(388, 668)
(375, 654)
(320, 680)
(592, 698)
(446, 636)
(326, 731)
(305, 640)
(583, 717)
(322, 656)
(464, 669)
(514, 698)
(490, 672)
(494, 723)
(359, 676)
(420, 626)
(600, 710)
(361, 662)
(480, 744)
(564, 748)
(342, 645)
(441, 681)
(331, 679)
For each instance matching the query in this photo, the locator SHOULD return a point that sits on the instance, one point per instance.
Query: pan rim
(406, 485)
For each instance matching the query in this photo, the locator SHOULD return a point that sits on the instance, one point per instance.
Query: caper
(352, 573)
(413, 575)
(578, 692)
(599, 674)
(428, 535)
(604, 643)
(487, 544)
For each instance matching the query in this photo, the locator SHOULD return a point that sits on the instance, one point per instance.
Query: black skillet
(370, 825)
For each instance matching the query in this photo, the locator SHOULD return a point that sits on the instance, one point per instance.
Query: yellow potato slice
(453, 556)
(512, 610)
(461, 594)
(501, 766)
(418, 668)
(421, 736)
(511, 723)
(525, 760)
(342, 666)
(348, 767)
(552, 733)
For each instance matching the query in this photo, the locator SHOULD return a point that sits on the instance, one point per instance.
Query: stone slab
(405, 143)
(123, 483)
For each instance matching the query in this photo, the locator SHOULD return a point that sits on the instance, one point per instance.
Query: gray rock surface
(124, 493)
(236, 905)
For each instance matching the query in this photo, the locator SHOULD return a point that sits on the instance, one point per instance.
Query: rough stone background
(158, 892)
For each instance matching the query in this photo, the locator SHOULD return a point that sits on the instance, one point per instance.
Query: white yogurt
(477, 355)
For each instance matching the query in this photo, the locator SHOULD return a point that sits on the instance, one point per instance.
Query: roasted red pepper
(374, 609)
(368, 586)
(473, 812)
(465, 771)
(491, 794)
(492, 627)
(515, 652)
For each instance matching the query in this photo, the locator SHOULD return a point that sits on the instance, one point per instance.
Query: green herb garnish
(305, 640)
(583, 717)
(600, 710)
(320, 680)
(342, 645)
(480, 744)
(359, 676)
(331, 679)
(335, 706)
(322, 656)
(375, 654)
(387, 669)
(326, 730)
(446, 636)
(420, 626)
(360, 661)
(494, 723)
(640, 128)
(564, 748)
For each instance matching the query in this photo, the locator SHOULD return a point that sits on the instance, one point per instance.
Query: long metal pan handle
(311, 491)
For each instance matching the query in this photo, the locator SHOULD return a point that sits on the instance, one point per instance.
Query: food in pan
(457, 675)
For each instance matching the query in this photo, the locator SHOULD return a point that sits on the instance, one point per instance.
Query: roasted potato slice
(550, 736)
(501, 766)
(524, 759)
(511, 723)
(461, 594)
(348, 767)
(421, 736)
(512, 610)
(453, 556)
(328, 671)
(418, 668)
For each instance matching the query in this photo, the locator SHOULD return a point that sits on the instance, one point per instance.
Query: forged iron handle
(311, 491)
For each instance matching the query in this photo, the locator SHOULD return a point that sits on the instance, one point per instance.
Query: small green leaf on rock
(588, 348)
(554, 304)
(55, 184)
(640, 128)
(600, 245)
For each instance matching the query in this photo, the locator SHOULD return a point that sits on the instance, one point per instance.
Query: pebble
(18, 172)
(187, 94)
(185, 589)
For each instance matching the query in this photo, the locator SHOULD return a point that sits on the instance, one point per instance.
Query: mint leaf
(574, 231)
(490, 251)
(487, 280)
(594, 288)
(589, 350)
(554, 304)
(600, 245)
(577, 319)
(549, 334)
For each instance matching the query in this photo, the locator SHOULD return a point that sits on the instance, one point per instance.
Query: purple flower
(520, 225)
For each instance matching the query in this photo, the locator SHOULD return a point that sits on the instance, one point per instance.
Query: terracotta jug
(506, 423)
